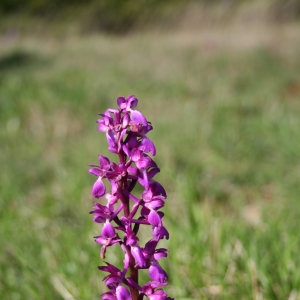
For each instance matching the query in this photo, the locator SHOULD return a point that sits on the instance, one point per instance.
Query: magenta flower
(123, 213)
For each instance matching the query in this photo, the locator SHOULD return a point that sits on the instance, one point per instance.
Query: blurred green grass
(226, 127)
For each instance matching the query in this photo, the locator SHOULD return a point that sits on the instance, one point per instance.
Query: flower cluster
(124, 213)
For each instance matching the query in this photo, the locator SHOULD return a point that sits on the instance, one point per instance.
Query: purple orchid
(123, 213)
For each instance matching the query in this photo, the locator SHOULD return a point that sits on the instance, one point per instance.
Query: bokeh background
(220, 82)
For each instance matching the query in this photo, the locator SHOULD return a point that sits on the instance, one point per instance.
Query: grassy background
(225, 106)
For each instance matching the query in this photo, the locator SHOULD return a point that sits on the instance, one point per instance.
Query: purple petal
(155, 204)
(147, 195)
(137, 118)
(109, 268)
(126, 263)
(108, 296)
(125, 121)
(132, 102)
(112, 110)
(113, 281)
(95, 171)
(126, 150)
(157, 273)
(132, 142)
(158, 295)
(144, 162)
(158, 189)
(112, 150)
(137, 253)
(106, 113)
(145, 181)
(131, 237)
(153, 172)
(133, 171)
(99, 219)
(132, 283)
(99, 208)
(155, 284)
(98, 189)
(104, 162)
(147, 289)
(148, 146)
(160, 253)
(160, 232)
(100, 240)
(147, 128)
(102, 127)
(110, 137)
(153, 163)
(136, 155)
(122, 293)
(154, 218)
(114, 186)
(145, 211)
(108, 231)
(111, 201)
(150, 246)
(121, 102)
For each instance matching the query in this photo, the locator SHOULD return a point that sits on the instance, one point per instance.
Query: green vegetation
(123, 16)
(114, 16)
(226, 127)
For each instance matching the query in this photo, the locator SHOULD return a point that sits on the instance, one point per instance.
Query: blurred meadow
(220, 83)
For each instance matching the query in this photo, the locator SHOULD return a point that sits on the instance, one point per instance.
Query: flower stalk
(124, 213)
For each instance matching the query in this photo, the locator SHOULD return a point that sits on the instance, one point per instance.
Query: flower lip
(138, 118)
(108, 231)
(122, 293)
(157, 273)
(99, 188)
